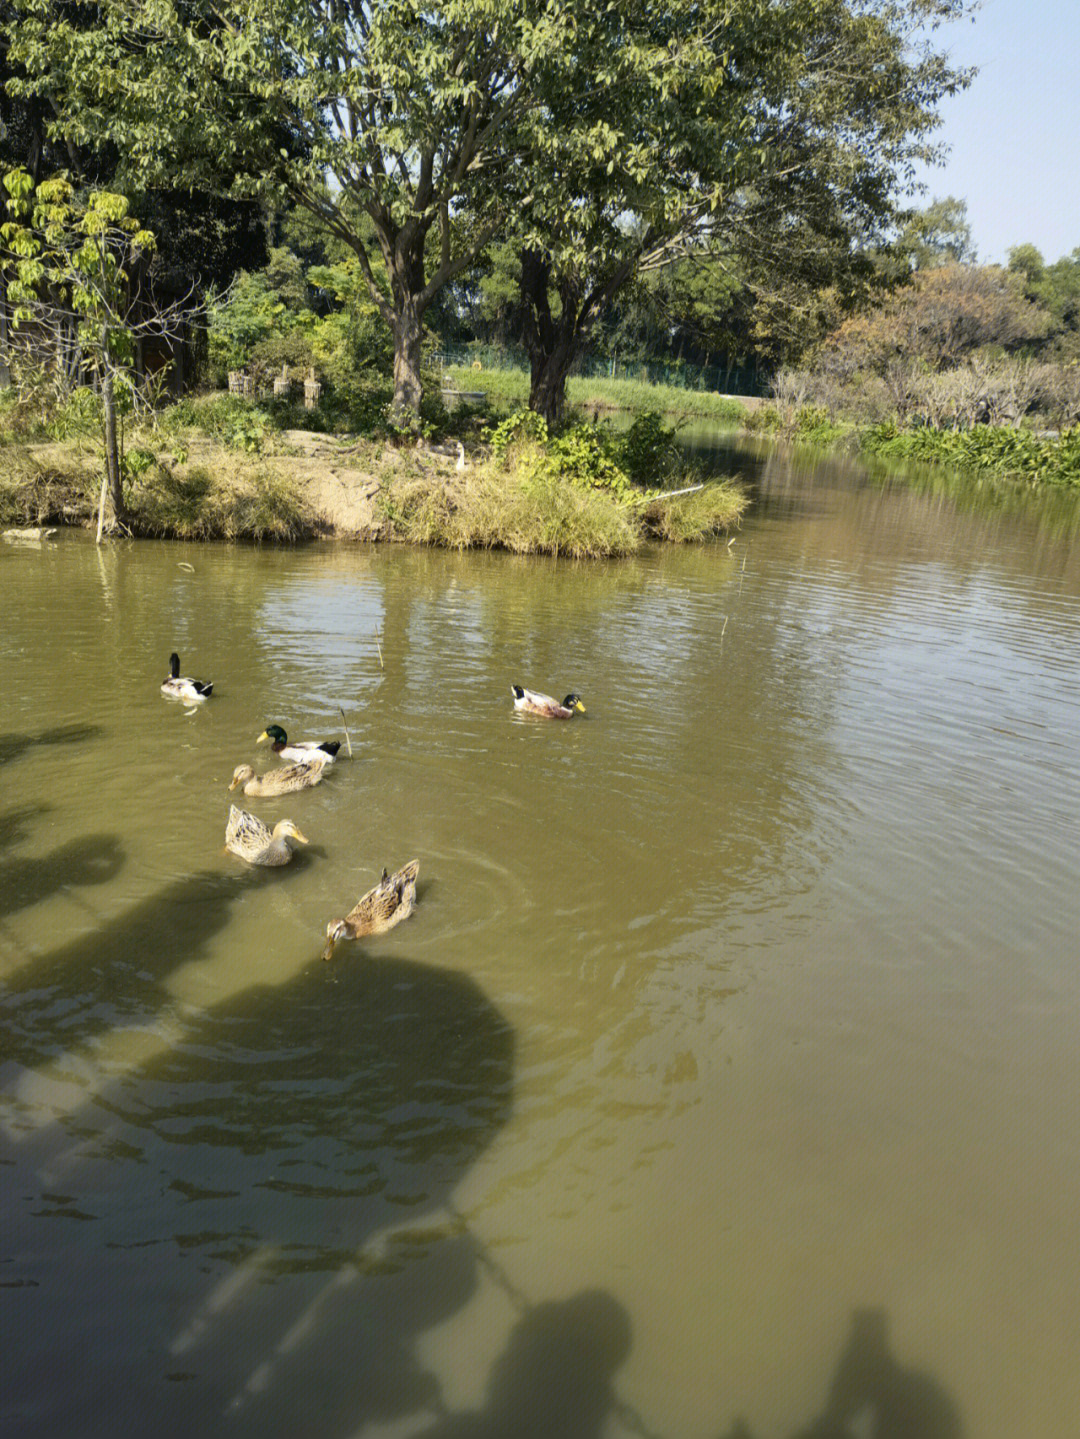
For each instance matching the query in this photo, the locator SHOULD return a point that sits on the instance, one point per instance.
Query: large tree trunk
(547, 382)
(404, 254)
(408, 340)
(551, 341)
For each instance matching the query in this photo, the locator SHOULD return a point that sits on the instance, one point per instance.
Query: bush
(650, 452)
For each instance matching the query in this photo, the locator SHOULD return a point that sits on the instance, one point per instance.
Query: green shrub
(763, 419)
(650, 452)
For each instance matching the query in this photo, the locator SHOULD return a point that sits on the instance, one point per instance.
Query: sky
(1014, 134)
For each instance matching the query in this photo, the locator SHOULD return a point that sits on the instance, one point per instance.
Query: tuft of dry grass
(53, 485)
(483, 509)
(236, 501)
(520, 508)
(683, 519)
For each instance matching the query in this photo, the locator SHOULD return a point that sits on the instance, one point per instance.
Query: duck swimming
(392, 900)
(182, 687)
(299, 751)
(255, 842)
(277, 781)
(533, 703)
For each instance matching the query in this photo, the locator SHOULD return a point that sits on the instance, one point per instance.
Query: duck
(300, 751)
(276, 781)
(392, 900)
(533, 703)
(255, 842)
(181, 687)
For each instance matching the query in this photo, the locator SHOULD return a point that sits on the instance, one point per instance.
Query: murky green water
(727, 1070)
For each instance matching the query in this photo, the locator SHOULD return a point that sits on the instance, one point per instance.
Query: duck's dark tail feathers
(518, 692)
(204, 689)
(331, 747)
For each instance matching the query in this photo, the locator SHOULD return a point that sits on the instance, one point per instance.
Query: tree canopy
(600, 141)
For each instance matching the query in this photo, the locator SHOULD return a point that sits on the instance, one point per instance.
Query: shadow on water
(14, 745)
(91, 860)
(264, 1200)
(873, 1396)
(14, 822)
(111, 975)
(251, 1228)
(554, 1377)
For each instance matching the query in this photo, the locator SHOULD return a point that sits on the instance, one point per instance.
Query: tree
(601, 138)
(775, 134)
(1055, 287)
(63, 255)
(938, 320)
(939, 234)
(380, 119)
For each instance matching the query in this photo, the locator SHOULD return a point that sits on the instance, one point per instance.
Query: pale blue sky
(1014, 134)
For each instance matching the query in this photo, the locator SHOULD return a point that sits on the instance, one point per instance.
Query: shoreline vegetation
(219, 467)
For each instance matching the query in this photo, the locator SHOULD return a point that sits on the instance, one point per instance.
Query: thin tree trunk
(113, 484)
(5, 337)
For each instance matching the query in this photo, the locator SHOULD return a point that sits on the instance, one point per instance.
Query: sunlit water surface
(728, 1070)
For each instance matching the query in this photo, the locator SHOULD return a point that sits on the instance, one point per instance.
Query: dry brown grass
(514, 508)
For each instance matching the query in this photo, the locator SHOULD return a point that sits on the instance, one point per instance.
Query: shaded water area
(723, 1083)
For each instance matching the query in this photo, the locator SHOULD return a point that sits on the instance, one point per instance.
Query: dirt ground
(339, 488)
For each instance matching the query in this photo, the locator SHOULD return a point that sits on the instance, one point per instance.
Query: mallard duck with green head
(299, 751)
(392, 900)
(533, 703)
(255, 842)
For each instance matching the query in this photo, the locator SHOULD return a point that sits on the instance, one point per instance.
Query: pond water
(727, 1071)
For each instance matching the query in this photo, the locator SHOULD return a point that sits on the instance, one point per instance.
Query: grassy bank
(586, 493)
(222, 500)
(508, 390)
(1006, 451)
(223, 469)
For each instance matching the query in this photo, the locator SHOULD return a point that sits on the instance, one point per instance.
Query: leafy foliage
(1052, 459)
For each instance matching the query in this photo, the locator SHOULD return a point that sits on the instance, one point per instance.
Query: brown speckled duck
(255, 842)
(392, 900)
(277, 781)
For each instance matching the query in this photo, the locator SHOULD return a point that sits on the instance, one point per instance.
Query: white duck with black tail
(183, 687)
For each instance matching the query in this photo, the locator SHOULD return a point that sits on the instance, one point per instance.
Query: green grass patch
(509, 390)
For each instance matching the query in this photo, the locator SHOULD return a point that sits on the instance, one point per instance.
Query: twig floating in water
(378, 646)
(183, 565)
